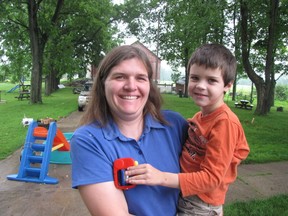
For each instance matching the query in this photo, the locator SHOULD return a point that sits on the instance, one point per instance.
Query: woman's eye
(119, 77)
(142, 78)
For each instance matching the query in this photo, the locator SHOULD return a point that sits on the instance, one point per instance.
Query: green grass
(266, 135)
(267, 139)
(59, 104)
(276, 205)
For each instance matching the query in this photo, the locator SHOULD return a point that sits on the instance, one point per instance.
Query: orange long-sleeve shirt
(215, 147)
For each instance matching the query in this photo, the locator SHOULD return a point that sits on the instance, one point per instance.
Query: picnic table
(24, 92)
(244, 104)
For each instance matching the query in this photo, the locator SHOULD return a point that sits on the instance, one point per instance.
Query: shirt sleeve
(90, 165)
(218, 158)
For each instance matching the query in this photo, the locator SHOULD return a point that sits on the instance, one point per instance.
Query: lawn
(266, 134)
(12, 111)
(274, 206)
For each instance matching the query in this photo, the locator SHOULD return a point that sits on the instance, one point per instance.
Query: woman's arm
(148, 175)
(104, 199)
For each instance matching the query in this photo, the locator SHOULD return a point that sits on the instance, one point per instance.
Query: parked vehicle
(84, 96)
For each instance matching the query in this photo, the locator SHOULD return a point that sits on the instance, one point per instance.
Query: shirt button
(140, 152)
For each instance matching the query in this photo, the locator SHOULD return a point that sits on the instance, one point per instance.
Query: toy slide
(34, 167)
(59, 139)
(13, 89)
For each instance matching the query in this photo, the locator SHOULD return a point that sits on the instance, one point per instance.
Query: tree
(175, 76)
(184, 25)
(38, 40)
(262, 35)
(83, 35)
(258, 36)
(60, 37)
(12, 26)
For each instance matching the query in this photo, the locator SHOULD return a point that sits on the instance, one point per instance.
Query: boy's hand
(144, 174)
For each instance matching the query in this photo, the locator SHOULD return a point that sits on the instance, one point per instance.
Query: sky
(165, 71)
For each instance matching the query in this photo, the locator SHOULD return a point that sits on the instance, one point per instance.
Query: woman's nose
(130, 84)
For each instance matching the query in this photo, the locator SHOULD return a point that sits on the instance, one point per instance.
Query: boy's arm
(148, 175)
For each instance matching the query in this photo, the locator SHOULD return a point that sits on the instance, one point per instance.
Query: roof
(142, 45)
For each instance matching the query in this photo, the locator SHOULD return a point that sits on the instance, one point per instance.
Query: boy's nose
(201, 85)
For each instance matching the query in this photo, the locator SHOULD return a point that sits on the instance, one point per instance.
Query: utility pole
(157, 47)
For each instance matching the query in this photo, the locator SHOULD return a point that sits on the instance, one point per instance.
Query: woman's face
(127, 89)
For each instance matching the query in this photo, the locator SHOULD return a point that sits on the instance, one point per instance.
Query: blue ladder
(28, 172)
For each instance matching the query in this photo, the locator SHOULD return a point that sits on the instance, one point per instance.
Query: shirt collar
(111, 130)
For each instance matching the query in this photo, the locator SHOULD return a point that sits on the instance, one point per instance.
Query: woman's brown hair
(98, 108)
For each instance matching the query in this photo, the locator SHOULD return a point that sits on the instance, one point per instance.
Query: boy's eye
(193, 78)
(212, 80)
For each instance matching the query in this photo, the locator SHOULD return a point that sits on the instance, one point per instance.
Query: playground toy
(119, 167)
(39, 144)
(58, 140)
(13, 89)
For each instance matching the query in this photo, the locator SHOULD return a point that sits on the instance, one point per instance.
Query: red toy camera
(119, 167)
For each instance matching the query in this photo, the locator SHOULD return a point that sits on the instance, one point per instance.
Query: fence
(166, 88)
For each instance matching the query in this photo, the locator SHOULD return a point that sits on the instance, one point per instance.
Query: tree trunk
(51, 82)
(264, 88)
(38, 42)
(37, 58)
(269, 69)
(186, 72)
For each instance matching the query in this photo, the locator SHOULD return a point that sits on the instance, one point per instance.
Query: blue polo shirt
(94, 149)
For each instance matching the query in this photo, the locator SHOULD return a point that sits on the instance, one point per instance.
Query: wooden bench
(22, 95)
(243, 105)
(249, 106)
(238, 105)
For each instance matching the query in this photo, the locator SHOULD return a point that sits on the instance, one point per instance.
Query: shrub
(281, 92)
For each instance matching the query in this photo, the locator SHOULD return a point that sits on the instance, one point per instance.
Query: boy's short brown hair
(215, 56)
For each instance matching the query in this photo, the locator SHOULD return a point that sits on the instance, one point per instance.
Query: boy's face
(206, 87)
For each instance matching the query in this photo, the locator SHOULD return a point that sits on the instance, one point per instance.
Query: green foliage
(260, 41)
(182, 25)
(273, 206)
(281, 92)
(70, 36)
(15, 61)
(175, 76)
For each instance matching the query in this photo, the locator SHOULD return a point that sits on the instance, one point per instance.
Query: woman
(123, 119)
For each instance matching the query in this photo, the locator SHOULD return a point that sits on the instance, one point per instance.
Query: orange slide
(58, 139)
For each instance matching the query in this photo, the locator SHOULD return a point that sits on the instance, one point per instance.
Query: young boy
(216, 144)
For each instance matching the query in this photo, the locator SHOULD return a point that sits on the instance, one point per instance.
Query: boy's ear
(228, 86)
